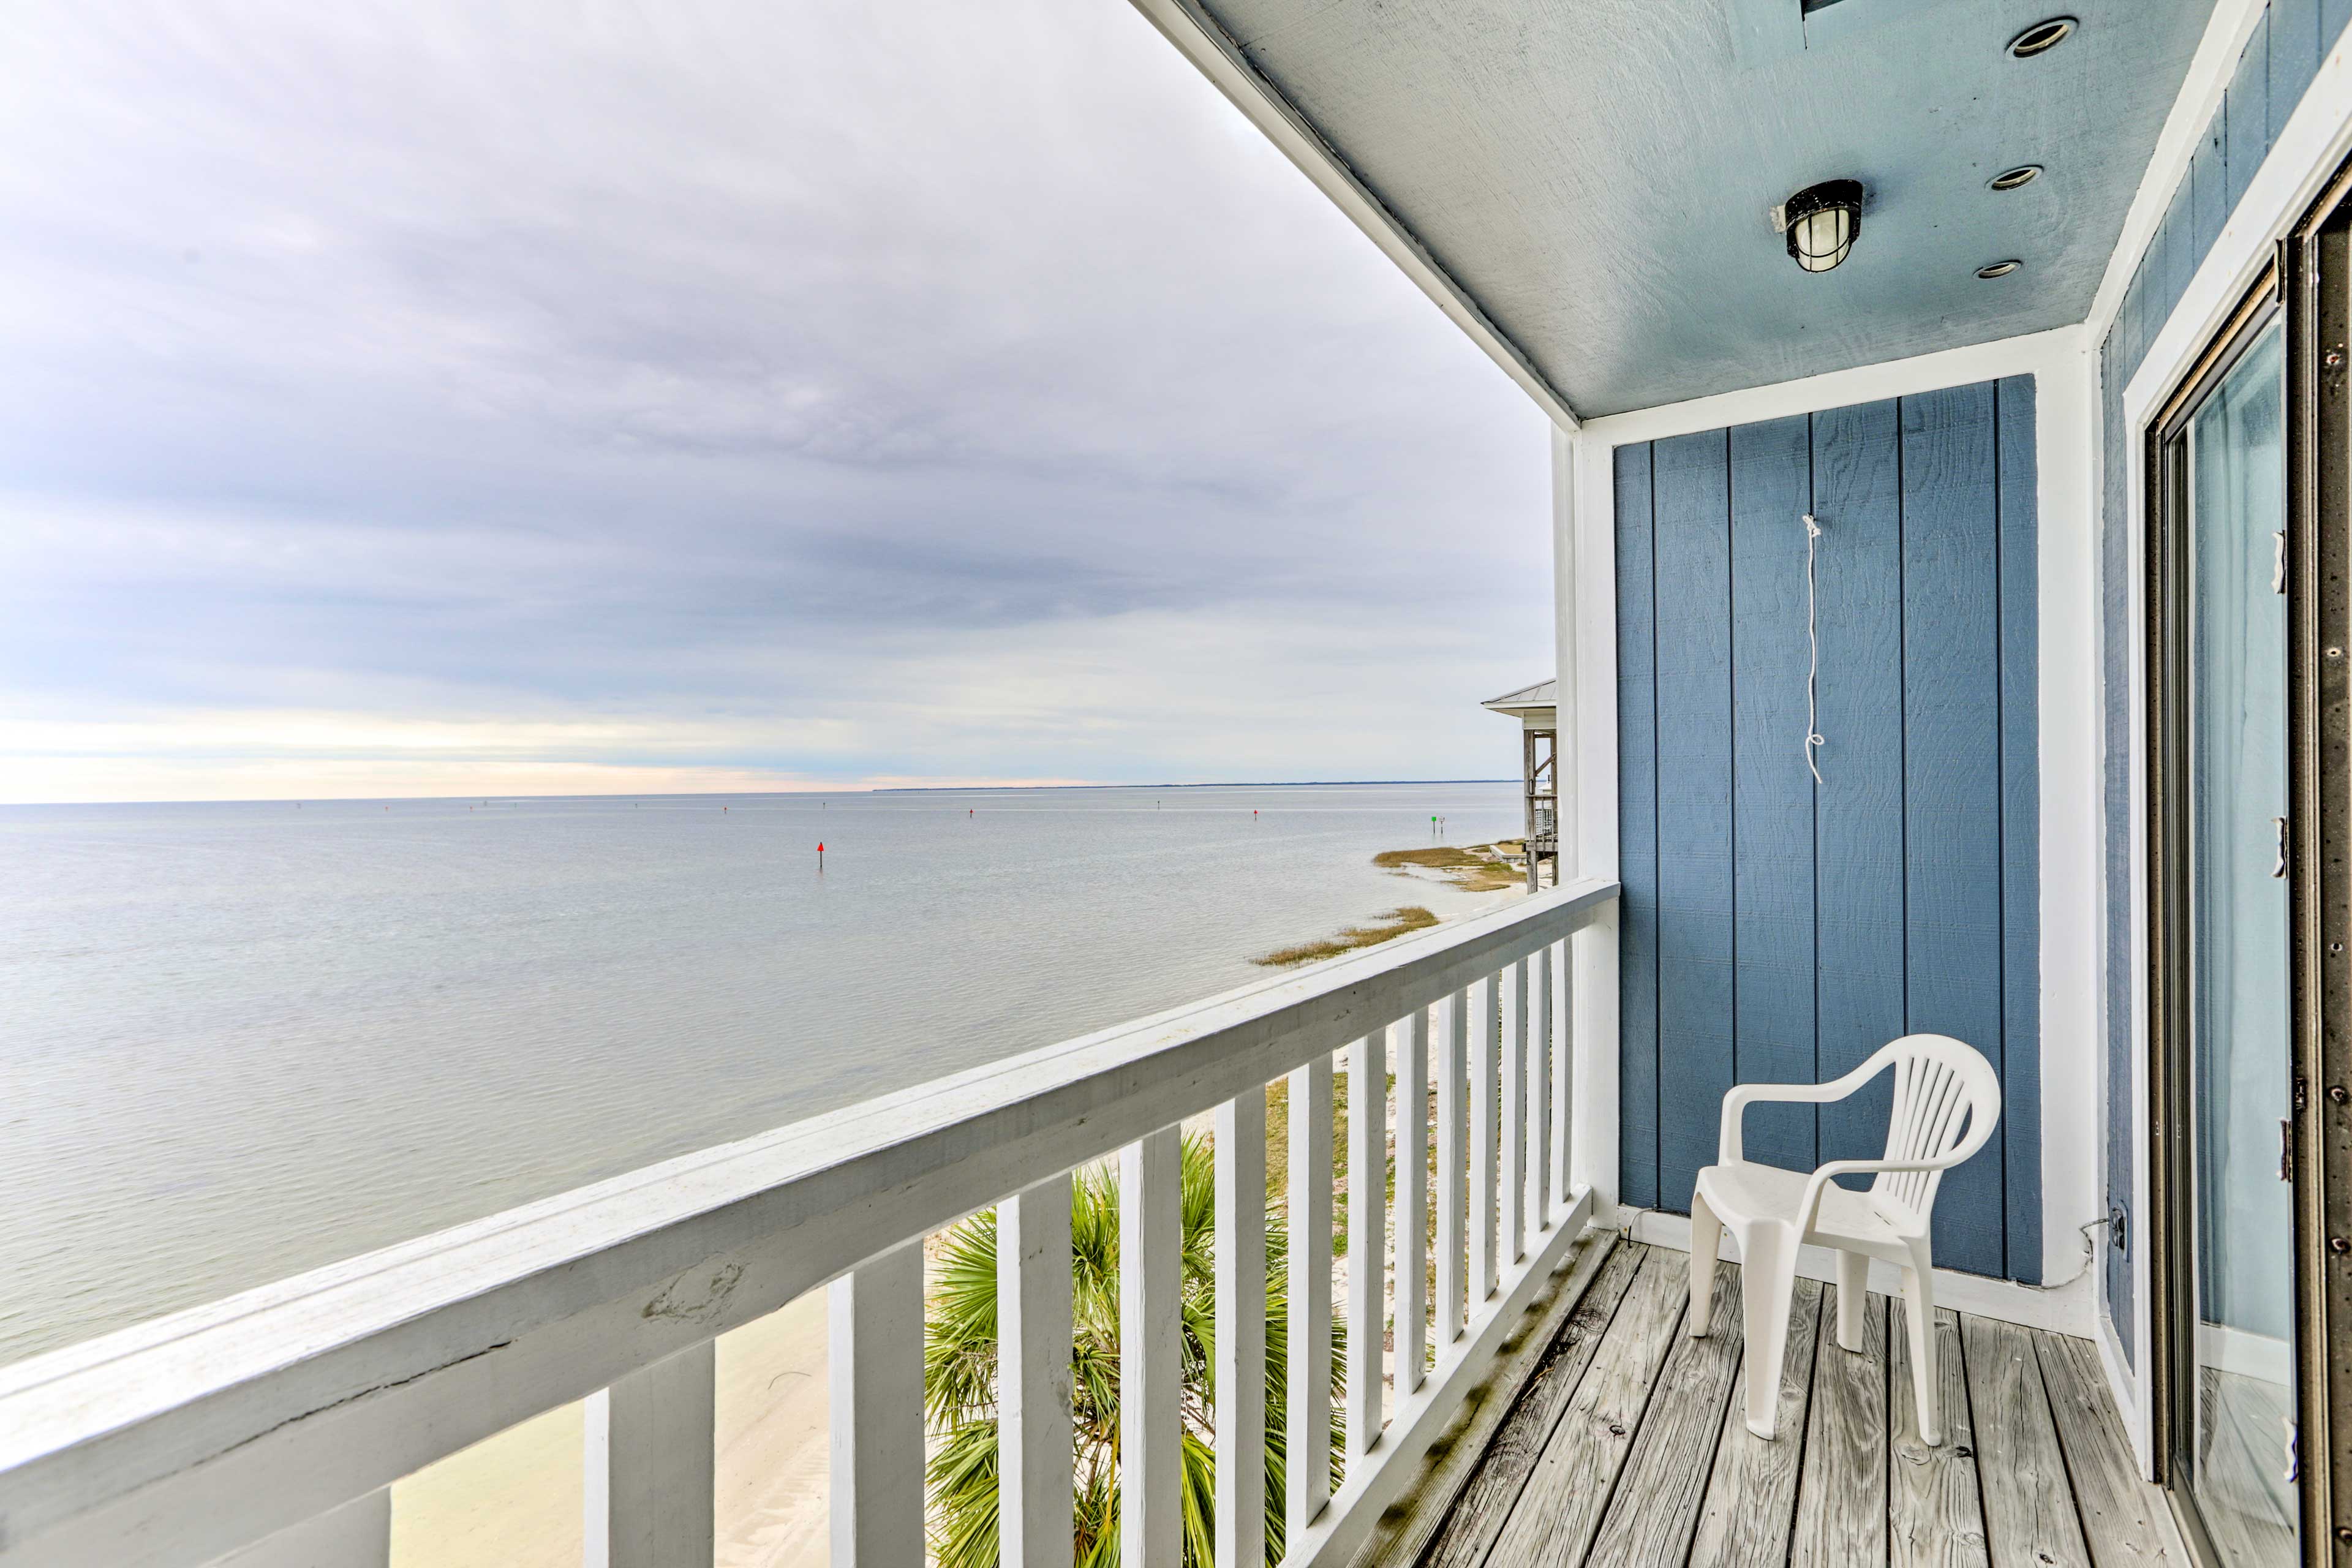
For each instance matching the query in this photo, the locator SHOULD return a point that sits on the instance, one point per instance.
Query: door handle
(2278, 866)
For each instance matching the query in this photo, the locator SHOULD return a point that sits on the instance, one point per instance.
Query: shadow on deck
(1625, 1447)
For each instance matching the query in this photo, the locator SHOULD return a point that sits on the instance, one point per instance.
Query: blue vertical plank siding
(2170, 260)
(1637, 850)
(2021, 824)
(2129, 319)
(2332, 15)
(1690, 497)
(1771, 787)
(2246, 108)
(1858, 815)
(1777, 928)
(1951, 769)
(2208, 185)
(2294, 57)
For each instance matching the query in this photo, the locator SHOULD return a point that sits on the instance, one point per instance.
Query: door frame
(2315, 266)
(2309, 283)
(2171, 1217)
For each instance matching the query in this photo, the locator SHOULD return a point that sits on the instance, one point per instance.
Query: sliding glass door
(2234, 1281)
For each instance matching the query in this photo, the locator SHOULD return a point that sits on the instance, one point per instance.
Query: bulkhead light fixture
(1822, 223)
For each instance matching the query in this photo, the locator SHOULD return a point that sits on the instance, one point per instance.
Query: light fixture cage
(1823, 223)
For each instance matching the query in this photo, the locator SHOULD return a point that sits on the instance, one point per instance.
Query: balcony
(1541, 1402)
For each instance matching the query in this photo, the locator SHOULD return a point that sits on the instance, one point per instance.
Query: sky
(414, 399)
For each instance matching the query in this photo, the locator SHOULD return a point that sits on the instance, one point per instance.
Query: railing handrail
(176, 1440)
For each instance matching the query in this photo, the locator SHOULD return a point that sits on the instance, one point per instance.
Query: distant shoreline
(1246, 784)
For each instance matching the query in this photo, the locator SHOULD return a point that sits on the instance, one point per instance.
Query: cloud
(807, 393)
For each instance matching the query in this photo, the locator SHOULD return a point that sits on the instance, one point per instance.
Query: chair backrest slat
(1946, 1099)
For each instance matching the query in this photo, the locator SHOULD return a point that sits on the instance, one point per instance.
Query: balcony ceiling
(1595, 174)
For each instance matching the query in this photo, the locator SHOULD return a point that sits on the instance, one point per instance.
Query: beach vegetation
(959, 1363)
(1388, 927)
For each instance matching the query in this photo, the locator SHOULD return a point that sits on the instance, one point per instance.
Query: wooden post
(1307, 1472)
(1484, 1030)
(1240, 1390)
(1412, 1196)
(1034, 1522)
(1151, 1360)
(1452, 1139)
(1368, 1103)
(650, 1465)
(874, 1359)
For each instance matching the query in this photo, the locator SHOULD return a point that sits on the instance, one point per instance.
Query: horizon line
(756, 795)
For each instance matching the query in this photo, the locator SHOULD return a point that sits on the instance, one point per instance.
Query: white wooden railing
(266, 1430)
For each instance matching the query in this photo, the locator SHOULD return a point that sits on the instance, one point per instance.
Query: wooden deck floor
(1625, 1447)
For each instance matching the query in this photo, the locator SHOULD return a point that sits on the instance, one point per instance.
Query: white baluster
(1034, 1520)
(1453, 1136)
(1562, 961)
(1241, 1330)
(1538, 971)
(356, 1535)
(1150, 1353)
(650, 1465)
(1412, 1195)
(874, 1364)
(1307, 1401)
(1484, 1030)
(1367, 1107)
(1511, 1182)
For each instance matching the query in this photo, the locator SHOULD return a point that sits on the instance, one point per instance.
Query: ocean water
(237, 1041)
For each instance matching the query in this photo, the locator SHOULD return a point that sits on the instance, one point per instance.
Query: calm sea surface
(238, 1041)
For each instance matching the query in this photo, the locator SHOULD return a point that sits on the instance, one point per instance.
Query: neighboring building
(1536, 708)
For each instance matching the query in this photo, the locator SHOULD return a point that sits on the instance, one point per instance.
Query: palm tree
(959, 1374)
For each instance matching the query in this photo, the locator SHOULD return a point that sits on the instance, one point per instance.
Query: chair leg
(1706, 1241)
(1768, 1288)
(1854, 1295)
(1920, 1308)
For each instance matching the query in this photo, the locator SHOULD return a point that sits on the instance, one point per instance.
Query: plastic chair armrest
(1820, 1179)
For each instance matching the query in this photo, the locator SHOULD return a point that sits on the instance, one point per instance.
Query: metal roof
(1542, 694)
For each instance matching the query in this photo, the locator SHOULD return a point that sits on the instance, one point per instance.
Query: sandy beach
(514, 1501)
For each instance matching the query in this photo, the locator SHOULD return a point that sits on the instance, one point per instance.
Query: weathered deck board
(1503, 1470)
(1842, 1496)
(2030, 1516)
(1556, 1512)
(1934, 1512)
(1625, 1448)
(1657, 1505)
(1751, 1497)
(2126, 1522)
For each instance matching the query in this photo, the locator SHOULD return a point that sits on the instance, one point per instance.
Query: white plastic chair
(1946, 1102)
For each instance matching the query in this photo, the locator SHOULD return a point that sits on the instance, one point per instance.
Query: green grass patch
(1393, 924)
(1476, 868)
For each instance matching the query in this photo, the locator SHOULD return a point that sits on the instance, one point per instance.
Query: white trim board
(2068, 744)
(2034, 353)
(2065, 1310)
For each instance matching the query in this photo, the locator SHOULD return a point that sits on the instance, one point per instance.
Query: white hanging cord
(1814, 740)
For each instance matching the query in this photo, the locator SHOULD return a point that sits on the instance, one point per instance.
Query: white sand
(514, 1501)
